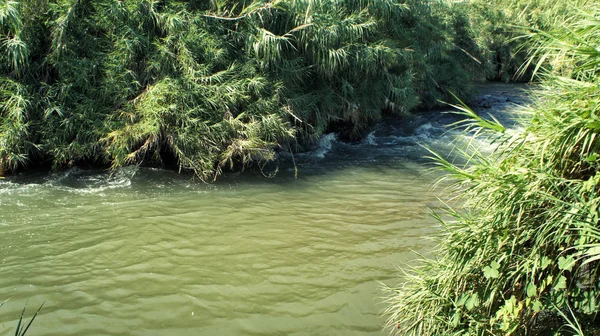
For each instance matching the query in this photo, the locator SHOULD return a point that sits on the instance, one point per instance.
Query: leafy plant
(207, 85)
(520, 254)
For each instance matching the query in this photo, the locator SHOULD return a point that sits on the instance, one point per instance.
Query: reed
(22, 328)
(216, 84)
(520, 255)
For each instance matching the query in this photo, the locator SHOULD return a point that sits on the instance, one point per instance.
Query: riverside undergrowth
(520, 256)
(500, 24)
(210, 85)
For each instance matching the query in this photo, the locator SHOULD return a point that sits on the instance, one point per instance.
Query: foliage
(521, 256)
(22, 328)
(214, 84)
(500, 24)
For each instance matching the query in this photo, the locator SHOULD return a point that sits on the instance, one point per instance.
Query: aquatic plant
(520, 255)
(22, 329)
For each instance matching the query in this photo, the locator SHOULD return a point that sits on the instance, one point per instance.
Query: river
(150, 252)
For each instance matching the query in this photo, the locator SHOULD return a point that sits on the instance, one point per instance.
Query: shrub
(520, 255)
(216, 84)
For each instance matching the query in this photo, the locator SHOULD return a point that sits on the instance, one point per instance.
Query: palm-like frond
(126, 82)
(10, 17)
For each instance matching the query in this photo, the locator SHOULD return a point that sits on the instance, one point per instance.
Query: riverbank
(407, 133)
(215, 86)
(519, 255)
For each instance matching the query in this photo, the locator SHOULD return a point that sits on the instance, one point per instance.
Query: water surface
(149, 252)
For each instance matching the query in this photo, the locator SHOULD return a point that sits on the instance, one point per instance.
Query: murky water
(150, 252)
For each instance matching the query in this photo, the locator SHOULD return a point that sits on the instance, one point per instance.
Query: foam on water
(73, 180)
(370, 139)
(390, 141)
(325, 144)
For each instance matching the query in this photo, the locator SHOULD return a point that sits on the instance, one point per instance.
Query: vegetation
(216, 84)
(221, 84)
(521, 253)
(21, 329)
(500, 24)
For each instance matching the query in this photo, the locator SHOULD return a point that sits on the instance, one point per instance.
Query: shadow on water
(390, 144)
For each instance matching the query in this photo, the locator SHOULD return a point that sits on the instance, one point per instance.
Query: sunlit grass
(521, 255)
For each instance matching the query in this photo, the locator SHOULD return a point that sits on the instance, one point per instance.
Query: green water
(248, 256)
(150, 252)
(159, 254)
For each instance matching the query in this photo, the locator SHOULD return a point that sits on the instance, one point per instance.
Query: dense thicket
(521, 254)
(214, 84)
(500, 26)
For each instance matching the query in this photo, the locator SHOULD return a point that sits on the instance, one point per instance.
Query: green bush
(215, 84)
(520, 255)
(500, 23)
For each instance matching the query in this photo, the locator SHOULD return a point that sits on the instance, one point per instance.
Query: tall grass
(500, 24)
(520, 255)
(22, 325)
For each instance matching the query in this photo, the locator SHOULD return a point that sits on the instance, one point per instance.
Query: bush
(521, 254)
(216, 84)
(500, 23)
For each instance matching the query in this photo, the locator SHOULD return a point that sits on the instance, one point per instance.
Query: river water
(150, 252)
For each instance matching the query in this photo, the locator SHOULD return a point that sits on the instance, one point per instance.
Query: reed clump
(211, 85)
(521, 255)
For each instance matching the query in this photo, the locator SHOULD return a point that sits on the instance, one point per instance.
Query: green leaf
(472, 302)
(594, 125)
(456, 319)
(536, 306)
(491, 272)
(592, 158)
(511, 306)
(561, 283)
(545, 262)
(531, 290)
(566, 264)
(463, 299)
(593, 251)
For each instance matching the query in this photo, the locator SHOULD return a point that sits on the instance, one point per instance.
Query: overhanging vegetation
(216, 84)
